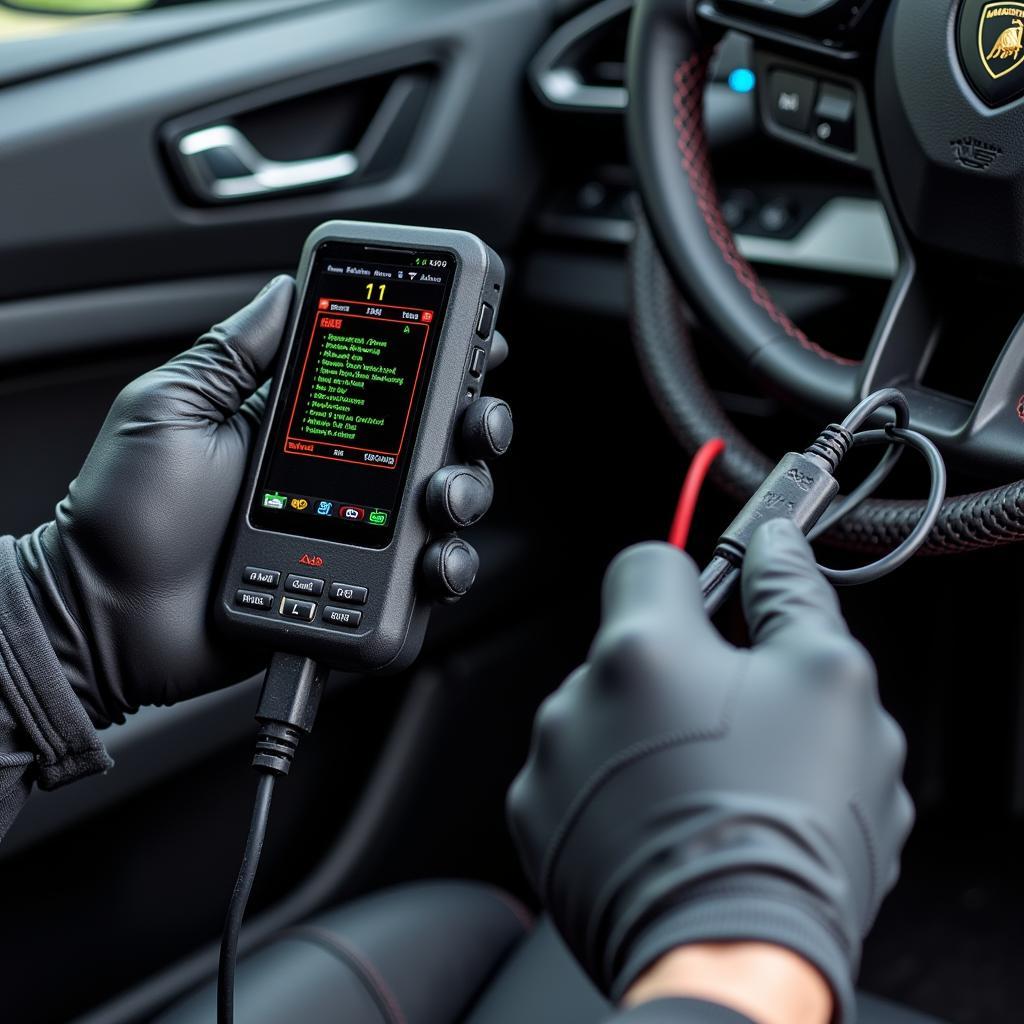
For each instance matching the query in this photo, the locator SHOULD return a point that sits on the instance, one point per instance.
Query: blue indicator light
(742, 80)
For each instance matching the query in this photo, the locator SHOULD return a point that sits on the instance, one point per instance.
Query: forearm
(46, 736)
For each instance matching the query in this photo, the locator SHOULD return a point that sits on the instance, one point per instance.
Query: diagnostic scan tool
(387, 347)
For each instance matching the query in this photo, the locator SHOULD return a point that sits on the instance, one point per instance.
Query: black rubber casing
(394, 617)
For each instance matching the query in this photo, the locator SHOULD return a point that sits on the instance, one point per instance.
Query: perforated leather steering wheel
(924, 94)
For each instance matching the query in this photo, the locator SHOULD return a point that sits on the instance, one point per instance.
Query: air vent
(582, 66)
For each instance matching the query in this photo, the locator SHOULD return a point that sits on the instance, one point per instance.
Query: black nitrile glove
(680, 790)
(122, 580)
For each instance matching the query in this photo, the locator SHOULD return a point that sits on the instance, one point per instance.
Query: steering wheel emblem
(991, 39)
(1004, 56)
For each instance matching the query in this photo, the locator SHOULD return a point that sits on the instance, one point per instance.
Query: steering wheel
(921, 93)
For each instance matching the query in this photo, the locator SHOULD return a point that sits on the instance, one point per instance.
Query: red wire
(690, 494)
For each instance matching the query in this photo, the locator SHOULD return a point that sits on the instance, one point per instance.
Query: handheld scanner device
(387, 346)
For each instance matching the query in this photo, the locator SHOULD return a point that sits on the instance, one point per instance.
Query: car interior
(818, 142)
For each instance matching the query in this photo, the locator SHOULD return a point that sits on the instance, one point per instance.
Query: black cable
(717, 580)
(933, 507)
(886, 398)
(844, 506)
(664, 341)
(287, 709)
(240, 898)
(803, 488)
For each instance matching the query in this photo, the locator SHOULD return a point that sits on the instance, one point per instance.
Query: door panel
(95, 203)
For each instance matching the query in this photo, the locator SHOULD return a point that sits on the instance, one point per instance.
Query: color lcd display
(344, 428)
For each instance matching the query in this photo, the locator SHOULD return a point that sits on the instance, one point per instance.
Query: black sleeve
(45, 734)
(679, 1011)
(17, 766)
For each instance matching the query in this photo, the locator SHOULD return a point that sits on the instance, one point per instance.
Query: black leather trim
(417, 954)
(376, 987)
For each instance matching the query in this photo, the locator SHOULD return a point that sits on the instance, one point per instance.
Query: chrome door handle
(222, 164)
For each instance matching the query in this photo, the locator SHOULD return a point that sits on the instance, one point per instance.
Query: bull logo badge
(1001, 38)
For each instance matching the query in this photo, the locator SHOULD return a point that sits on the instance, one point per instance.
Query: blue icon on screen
(325, 508)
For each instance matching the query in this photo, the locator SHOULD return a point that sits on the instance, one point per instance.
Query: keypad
(291, 605)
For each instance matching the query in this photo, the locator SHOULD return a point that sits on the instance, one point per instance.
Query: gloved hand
(122, 579)
(680, 790)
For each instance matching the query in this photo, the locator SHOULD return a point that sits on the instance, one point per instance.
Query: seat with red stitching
(415, 954)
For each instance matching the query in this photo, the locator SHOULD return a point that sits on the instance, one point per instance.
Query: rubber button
(293, 609)
(257, 577)
(834, 117)
(347, 594)
(450, 566)
(477, 362)
(776, 217)
(304, 585)
(791, 99)
(487, 428)
(254, 600)
(485, 321)
(347, 617)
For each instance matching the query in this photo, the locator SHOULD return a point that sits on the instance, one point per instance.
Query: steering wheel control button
(304, 585)
(347, 617)
(293, 609)
(834, 117)
(347, 594)
(256, 577)
(776, 217)
(485, 321)
(991, 44)
(737, 206)
(477, 362)
(792, 100)
(253, 600)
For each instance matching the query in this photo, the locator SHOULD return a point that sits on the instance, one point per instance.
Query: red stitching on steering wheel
(688, 101)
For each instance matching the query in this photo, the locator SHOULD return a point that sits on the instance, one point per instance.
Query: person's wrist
(751, 908)
(767, 983)
(46, 573)
(34, 685)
